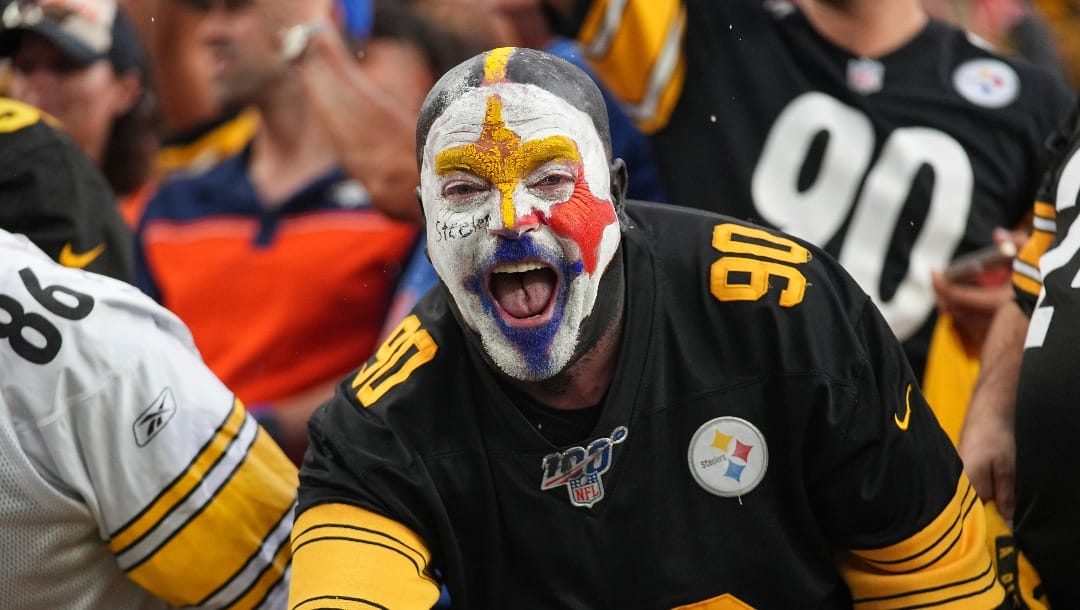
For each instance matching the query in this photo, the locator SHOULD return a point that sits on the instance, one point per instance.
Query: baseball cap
(84, 30)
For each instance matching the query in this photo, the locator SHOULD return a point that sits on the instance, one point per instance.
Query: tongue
(523, 295)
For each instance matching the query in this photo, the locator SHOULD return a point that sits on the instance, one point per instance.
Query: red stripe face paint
(583, 218)
(512, 162)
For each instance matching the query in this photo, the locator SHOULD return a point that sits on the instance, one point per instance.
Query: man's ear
(619, 179)
(420, 202)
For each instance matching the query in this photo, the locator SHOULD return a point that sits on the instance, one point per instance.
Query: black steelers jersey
(763, 444)
(1046, 416)
(894, 165)
(52, 193)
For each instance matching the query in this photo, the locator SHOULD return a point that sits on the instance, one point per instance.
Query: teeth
(516, 267)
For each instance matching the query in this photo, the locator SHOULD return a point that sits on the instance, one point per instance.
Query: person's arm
(199, 508)
(631, 51)
(344, 543)
(973, 308)
(190, 497)
(366, 526)
(987, 439)
(893, 494)
(387, 563)
(372, 134)
(987, 445)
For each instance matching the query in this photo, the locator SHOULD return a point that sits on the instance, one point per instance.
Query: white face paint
(516, 190)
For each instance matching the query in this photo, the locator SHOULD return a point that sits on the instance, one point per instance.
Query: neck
(584, 383)
(867, 28)
(290, 149)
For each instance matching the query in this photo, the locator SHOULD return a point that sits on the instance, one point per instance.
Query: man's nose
(516, 218)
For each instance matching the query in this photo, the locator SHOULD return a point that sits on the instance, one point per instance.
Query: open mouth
(524, 292)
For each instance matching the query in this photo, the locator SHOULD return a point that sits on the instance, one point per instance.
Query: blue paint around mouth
(534, 344)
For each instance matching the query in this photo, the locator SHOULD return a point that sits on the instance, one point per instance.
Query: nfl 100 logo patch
(581, 468)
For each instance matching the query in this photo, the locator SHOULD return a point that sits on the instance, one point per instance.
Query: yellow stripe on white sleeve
(359, 559)
(945, 565)
(169, 498)
(635, 46)
(267, 580)
(234, 549)
(1026, 276)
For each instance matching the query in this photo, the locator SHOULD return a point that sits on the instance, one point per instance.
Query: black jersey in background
(894, 165)
(1047, 419)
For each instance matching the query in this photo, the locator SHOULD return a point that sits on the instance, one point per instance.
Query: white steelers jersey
(130, 477)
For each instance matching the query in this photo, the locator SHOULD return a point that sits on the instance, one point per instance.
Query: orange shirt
(277, 302)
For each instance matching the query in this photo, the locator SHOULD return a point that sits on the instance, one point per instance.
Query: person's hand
(987, 447)
(372, 132)
(987, 443)
(972, 306)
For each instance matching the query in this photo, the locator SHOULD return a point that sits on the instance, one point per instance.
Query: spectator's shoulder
(177, 195)
(986, 77)
(92, 331)
(409, 376)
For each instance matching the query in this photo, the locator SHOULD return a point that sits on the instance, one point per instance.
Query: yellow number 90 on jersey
(406, 348)
(752, 258)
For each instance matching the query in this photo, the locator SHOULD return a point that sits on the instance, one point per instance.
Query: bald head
(515, 65)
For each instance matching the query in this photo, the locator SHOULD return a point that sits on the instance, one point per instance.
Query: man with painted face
(614, 404)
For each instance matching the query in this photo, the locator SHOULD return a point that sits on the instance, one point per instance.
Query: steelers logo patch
(728, 456)
(991, 83)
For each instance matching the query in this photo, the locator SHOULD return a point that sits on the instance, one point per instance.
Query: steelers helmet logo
(728, 456)
(990, 83)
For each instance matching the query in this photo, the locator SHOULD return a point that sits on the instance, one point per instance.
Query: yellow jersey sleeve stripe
(272, 576)
(1026, 284)
(362, 536)
(1045, 209)
(1026, 276)
(636, 49)
(945, 565)
(183, 485)
(234, 544)
(339, 603)
(387, 563)
(390, 536)
(600, 24)
(980, 591)
(932, 541)
(194, 503)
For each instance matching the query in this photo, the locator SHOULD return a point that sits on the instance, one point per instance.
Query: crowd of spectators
(262, 156)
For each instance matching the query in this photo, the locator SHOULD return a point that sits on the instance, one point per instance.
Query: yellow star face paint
(526, 175)
(500, 157)
(495, 65)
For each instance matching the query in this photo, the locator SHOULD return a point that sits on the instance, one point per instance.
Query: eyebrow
(497, 166)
